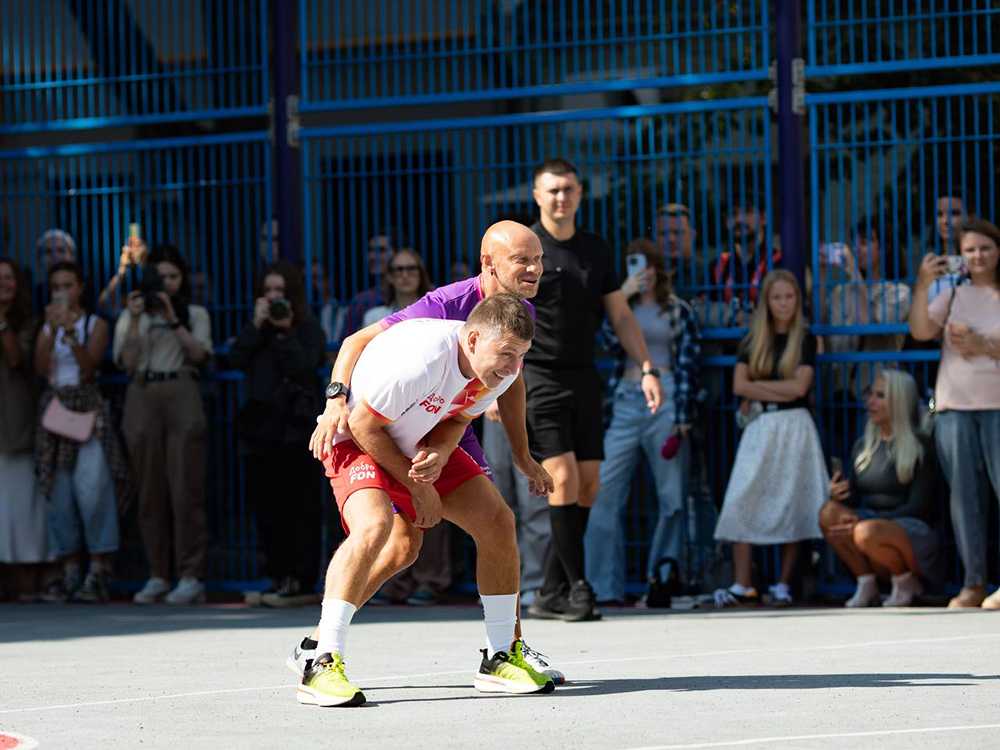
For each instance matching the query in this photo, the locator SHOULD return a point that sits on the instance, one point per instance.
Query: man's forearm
(446, 436)
(379, 446)
(511, 404)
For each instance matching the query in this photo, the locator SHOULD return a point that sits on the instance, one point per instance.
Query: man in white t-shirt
(414, 390)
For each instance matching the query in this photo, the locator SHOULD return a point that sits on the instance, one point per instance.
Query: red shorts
(350, 469)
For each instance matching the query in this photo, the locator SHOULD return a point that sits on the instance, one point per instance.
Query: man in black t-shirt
(565, 431)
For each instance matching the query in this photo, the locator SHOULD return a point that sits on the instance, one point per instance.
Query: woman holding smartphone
(161, 340)
(671, 331)
(879, 521)
(967, 392)
(82, 475)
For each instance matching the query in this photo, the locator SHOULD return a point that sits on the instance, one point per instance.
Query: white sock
(97, 568)
(500, 613)
(866, 580)
(903, 581)
(740, 590)
(333, 625)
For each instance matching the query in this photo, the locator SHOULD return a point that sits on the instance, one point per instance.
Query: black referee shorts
(564, 412)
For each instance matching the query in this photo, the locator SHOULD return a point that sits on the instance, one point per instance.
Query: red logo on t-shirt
(433, 403)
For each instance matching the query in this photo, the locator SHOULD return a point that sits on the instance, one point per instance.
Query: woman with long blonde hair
(779, 478)
(893, 469)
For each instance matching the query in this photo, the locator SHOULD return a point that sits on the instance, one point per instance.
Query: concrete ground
(214, 676)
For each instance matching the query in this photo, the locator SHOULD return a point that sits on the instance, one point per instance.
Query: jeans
(633, 430)
(968, 445)
(83, 497)
(533, 529)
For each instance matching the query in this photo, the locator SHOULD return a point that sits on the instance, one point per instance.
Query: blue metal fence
(858, 37)
(437, 184)
(96, 63)
(207, 195)
(391, 53)
(879, 160)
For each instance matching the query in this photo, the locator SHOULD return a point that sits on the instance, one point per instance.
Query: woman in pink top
(967, 393)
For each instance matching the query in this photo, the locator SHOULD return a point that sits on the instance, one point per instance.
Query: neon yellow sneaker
(508, 672)
(325, 684)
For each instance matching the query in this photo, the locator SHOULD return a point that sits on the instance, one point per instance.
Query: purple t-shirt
(452, 302)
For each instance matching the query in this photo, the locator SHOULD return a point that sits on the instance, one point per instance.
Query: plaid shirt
(685, 350)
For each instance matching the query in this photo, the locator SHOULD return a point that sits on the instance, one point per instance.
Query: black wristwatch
(337, 389)
(655, 372)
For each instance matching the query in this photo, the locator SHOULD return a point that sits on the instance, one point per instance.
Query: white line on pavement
(587, 662)
(803, 737)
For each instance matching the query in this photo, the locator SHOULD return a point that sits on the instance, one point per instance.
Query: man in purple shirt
(511, 256)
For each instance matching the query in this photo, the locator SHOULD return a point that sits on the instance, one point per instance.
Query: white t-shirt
(63, 368)
(408, 376)
(967, 384)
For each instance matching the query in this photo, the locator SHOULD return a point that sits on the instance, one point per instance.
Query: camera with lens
(150, 287)
(279, 309)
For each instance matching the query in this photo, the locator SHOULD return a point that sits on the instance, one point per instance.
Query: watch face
(336, 389)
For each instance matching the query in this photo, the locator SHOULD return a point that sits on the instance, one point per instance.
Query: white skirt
(22, 511)
(779, 482)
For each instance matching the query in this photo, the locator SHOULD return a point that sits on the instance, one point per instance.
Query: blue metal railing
(887, 168)
(384, 53)
(857, 37)
(207, 195)
(80, 64)
(436, 185)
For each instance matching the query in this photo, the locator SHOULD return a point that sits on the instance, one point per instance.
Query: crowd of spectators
(72, 465)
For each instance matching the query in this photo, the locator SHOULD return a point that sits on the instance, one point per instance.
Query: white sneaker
(866, 595)
(781, 595)
(188, 591)
(302, 657)
(539, 663)
(154, 590)
(905, 588)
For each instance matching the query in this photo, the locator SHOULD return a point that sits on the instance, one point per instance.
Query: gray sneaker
(93, 590)
(189, 590)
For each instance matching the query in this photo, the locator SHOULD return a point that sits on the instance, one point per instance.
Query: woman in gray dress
(22, 512)
(879, 521)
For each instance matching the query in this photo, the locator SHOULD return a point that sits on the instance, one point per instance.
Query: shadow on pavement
(727, 682)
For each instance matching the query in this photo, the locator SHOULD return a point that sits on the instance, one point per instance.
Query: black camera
(150, 287)
(279, 309)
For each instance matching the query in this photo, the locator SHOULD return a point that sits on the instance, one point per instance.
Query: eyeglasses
(405, 269)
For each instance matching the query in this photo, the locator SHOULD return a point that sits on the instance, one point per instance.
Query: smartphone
(58, 298)
(956, 265)
(832, 253)
(836, 464)
(634, 263)
(133, 231)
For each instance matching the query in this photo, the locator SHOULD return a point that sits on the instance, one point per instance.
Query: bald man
(511, 257)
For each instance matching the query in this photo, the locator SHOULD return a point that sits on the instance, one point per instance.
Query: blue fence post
(791, 158)
(288, 172)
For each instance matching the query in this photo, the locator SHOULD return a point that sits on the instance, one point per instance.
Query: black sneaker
(549, 606)
(93, 590)
(581, 604)
(58, 591)
(289, 594)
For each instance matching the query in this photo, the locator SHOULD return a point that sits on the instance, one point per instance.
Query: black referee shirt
(569, 304)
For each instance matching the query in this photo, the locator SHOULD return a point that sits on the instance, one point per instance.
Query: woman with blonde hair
(779, 478)
(893, 469)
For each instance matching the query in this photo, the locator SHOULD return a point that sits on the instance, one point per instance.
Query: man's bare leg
(399, 553)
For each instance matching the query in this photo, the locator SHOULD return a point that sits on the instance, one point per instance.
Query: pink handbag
(75, 425)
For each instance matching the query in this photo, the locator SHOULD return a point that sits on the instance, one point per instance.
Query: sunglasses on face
(405, 269)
